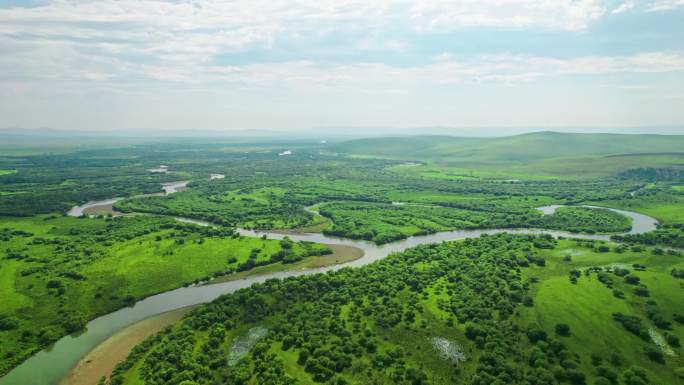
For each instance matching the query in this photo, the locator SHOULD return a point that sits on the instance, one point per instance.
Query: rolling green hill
(413, 146)
(518, 148)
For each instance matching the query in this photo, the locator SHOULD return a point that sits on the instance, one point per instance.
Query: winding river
(49, 366)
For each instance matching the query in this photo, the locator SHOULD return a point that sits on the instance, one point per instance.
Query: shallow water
(49, 366)
(77, 211)
(169, 188)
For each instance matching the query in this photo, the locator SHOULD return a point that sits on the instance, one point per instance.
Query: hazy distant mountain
(318, 133)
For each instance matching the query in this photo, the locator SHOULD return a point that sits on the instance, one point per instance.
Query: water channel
(49, 366)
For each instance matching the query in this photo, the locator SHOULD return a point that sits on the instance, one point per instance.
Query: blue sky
(234, 65)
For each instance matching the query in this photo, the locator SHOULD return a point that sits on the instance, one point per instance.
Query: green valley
(599, 305)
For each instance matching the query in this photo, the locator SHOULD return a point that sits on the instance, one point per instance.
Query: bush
(74, 324)
(575, 376)
(632, 324)
(642, 292)
(673, 340)
(54, 284)
(562, 330)
(679, 318)
(48, 335)
(8, 323)
(654, 354)
(536, 335)
(632, 279)
(635, 376)
(528, 301)
(608, 374)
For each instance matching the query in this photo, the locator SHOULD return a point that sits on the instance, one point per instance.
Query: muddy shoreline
(53, 365)
(102, 360)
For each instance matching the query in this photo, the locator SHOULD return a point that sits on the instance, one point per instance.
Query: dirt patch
(101, 360)
(105, 209)
(341, 254)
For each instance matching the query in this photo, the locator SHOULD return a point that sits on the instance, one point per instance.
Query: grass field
(64, 271)
(596, 346)
(518, 148)
(542, 155)
(664, 207)
(574, 168)
(587, 306)
(56, 272)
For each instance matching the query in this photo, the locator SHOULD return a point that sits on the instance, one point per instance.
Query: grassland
(544, 155)
(261, 208)
(587, 305)
(573, 168)
(379, 322)
(518, 148)
(664, 207)
(57, 272)
(382, 223)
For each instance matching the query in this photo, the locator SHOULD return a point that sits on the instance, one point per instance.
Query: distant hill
(418, 146)
(518, 148)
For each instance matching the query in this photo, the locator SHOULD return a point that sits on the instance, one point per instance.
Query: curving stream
(49, 366)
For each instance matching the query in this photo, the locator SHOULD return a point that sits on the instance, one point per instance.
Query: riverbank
(342, 254)
(69, 351)
(102, 360)
(105, 209)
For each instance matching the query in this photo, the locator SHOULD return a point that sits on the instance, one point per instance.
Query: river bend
(49, 366)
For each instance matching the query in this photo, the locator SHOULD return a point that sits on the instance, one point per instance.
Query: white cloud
(154, 48)
(105, 72)
(208, 26)
(130, 41)
(551, 14)
(127, 43)
(267, 15)
(507, 69)
(625, 6)
(665, 5)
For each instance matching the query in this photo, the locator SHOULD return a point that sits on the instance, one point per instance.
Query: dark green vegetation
(54, 183)
(494, 310)
(364, 209)
(666, 235)
(266, 191)
(382, 223)
(57, 273)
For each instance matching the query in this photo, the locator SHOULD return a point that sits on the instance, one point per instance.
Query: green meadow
(428, 325)
(56, 272)
(498, 309)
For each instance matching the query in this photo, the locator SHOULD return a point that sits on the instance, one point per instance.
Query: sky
(110, 65)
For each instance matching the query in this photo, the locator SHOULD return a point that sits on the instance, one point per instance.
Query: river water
(169, 188)
(49, 366)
